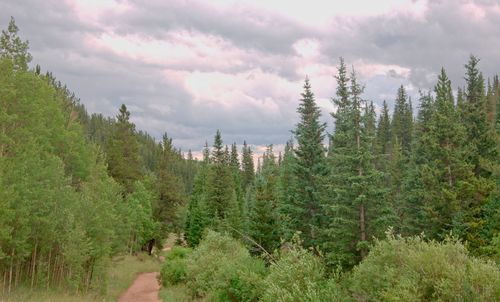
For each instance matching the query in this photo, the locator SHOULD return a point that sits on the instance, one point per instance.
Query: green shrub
(173, 270)
(221, 269)
(299, 275)
(413, 269)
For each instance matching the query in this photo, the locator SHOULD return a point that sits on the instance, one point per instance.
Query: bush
(173, 270)
(413, 269)
(221, 269)
(299, 275)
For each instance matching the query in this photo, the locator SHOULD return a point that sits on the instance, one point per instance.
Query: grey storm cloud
(444, 36)
(245, 27)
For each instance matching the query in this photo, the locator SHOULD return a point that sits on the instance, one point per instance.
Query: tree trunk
(10, 270)
(48, 268)
(362, 227)
(33, 265)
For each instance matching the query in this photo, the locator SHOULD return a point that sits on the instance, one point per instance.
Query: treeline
(435, 172)
(76, 189)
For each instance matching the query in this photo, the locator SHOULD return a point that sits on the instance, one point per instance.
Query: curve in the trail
(144, 289)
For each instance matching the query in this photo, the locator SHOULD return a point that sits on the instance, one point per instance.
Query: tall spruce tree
(445, 176)
(383, 140)
(358, 209)
(309, 169)
(287, 190)
(402, 120)
(482, 154)
(169, 186)
(247, 165)
(222, 207)
(264, 221)
(197, 212)
(480, 136)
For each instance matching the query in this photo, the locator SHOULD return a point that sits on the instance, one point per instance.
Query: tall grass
(122, 272)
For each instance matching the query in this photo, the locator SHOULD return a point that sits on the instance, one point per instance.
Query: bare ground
(144, 289)
(146, 286)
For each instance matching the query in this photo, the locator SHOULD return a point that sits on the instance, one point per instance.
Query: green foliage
(219, 193)
(174, 269)
(298, 275)
(412, 269)
(356, 202)
(402, 120)
(138, 224)
(197, 215)
(309, 168)
(123, 151)
(247, 166)
(59, 201)
(13, 48)
(222, 269)
(264, 224)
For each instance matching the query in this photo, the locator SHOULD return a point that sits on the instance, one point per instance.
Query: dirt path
(144, 289)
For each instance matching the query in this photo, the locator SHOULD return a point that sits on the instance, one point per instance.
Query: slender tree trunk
(33, 265)
(48, 268)
(18, 273)
(10, 270)
(4, 282)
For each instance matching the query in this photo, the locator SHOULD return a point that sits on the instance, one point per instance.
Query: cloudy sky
(189, 67)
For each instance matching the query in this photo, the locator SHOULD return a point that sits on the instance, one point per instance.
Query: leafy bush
(299, 275)
(412, 269)
(221, 269)
(173, 270)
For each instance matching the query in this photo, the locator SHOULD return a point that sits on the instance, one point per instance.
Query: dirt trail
(144, 289)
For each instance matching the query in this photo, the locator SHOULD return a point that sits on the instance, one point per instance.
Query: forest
(403, 205)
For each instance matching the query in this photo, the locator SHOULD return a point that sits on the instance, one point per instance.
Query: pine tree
(479, 135)
(402, 120)
(197, 212)
(169, 186)
(358, 209)
(444, 173)
(482, 154)
(247, 165)
(221, 196)
(264, 225)
(383, 139)
(310, 168)
(287, 190)
(123, 152)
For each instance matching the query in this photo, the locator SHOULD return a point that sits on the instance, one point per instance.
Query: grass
(122, 272)
(175, 293)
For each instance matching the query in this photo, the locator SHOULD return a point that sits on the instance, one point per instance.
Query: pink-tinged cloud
(189, 67)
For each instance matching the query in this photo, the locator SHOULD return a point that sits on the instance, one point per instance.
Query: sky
(190, 67)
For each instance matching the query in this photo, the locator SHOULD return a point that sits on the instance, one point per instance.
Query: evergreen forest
(397, 204)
